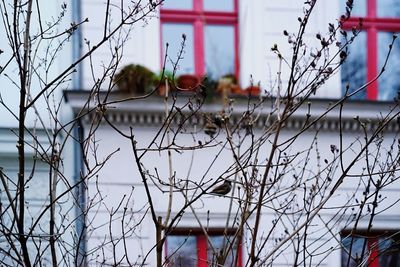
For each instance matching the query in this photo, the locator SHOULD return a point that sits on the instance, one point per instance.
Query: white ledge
(151, 111)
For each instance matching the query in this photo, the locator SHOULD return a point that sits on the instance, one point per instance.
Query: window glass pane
(182, 251)
(219, 50)
(389, 251)
(355, 244)
(354, 69)
(386, 248)
(389, 82)
(178, 4)
(172, 34)
(388, 8)
(359, 8)
(218, 5)
(217, 242)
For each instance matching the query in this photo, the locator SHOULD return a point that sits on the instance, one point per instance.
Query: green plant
(168, 74)
(159, 81)
(134, 78)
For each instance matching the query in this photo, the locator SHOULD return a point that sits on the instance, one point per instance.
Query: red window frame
(373, 257)
(372, 239)
(199, 17)
(372, 24)
(202, 243)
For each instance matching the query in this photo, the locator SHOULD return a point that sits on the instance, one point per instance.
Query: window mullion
(239, 252)
(236, 47)
(201, 251)
(198, 5)
(372, 62)
(199, 47)
(373, 259)
(198, 39)
(371, 8)
(372, 52)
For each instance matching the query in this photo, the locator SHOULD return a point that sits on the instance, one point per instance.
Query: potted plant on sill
(134, 79)
(252, 90)
(227, 85)
(188, 82)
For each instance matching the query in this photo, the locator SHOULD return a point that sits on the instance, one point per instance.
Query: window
(380, 19)
(190, 248)
(375, 249)
(211, 29)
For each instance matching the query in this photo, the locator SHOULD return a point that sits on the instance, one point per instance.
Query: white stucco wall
(42, 52)
(44, 65)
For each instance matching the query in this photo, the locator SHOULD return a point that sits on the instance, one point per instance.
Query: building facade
(286, 114)
(244, 39)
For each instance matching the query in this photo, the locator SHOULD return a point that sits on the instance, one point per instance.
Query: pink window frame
(202, 252)
(372, 24)
(199, 17)
(201, 242)
(373, 257)
(372, 238)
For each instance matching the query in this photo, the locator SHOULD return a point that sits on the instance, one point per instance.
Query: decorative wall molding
(150, 112)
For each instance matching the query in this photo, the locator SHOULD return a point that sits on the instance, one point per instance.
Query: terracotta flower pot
(252, 90)
(236, 90)
(188, 82)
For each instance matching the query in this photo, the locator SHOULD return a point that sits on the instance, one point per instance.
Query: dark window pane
(172, 34)
(389, 252)
(219, 50)
(217, 242)
(178, 4)
(182, 251)
(355, 244)
(354, 69)
(385, 249)
(218, 5)
(388, 8)
(389, 82)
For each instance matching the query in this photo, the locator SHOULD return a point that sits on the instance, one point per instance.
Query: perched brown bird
(222, 189)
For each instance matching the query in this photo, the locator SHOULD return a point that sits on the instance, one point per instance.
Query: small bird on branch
(222, 189)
